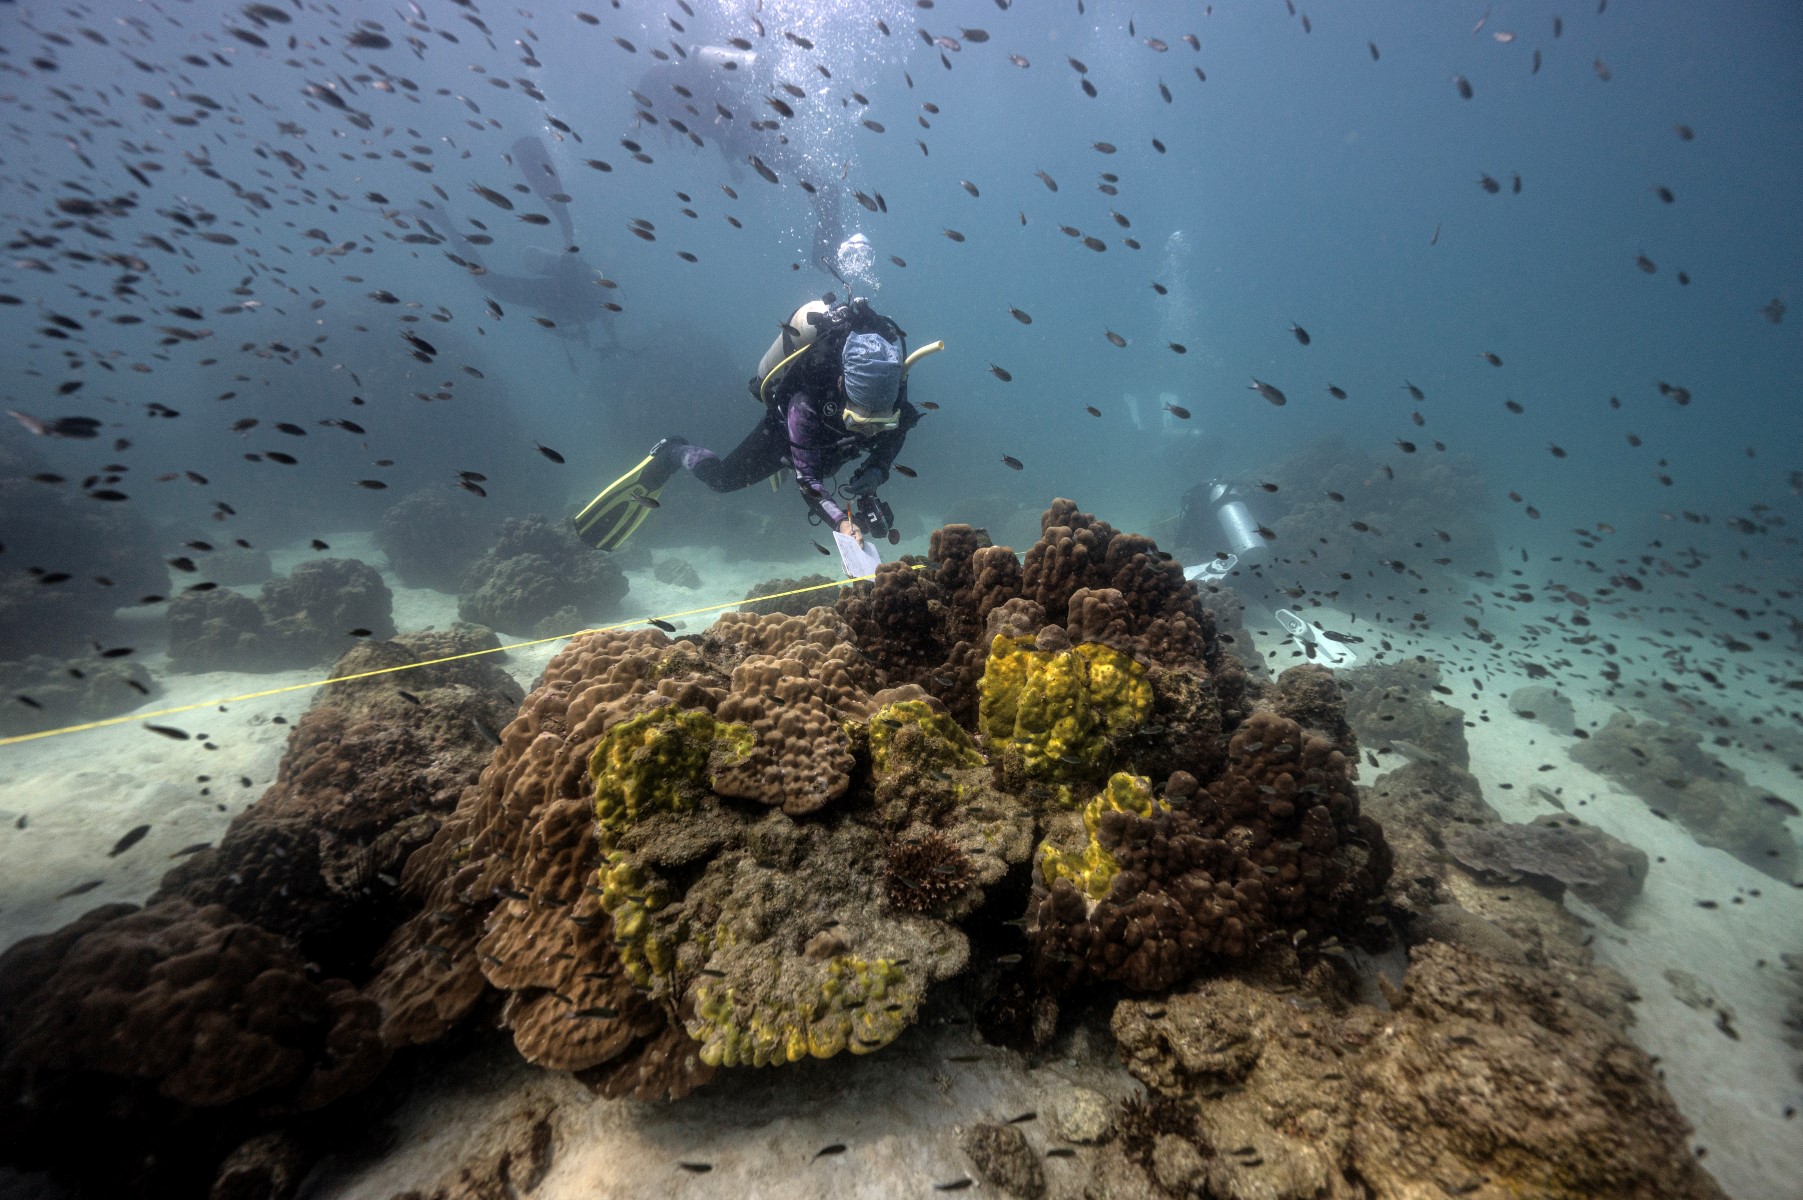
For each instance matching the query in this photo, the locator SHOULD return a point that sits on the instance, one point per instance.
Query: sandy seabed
(65, 802)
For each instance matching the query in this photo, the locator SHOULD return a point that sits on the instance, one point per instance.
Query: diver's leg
(759, 456)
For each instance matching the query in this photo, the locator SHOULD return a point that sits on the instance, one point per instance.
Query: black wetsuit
(804, 433)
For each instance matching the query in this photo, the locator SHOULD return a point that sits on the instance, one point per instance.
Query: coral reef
(535, 568)
(50, 692)
(296, 621)
(1003, 1158)
(1160, 887)
(677, 573)
(370, 771)
(614, 885)
(697, 854)
(129, 1027)
(1396, 706)
(1482, 1078)
(431, 538)
(1547, 705)
(925, 873)
(313, 608)
(1666, 766)
(793, 605)
(1555, 851)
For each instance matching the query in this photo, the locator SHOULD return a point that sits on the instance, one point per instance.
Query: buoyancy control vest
(806, 351)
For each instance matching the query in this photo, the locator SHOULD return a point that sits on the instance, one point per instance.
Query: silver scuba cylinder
(1236, 521)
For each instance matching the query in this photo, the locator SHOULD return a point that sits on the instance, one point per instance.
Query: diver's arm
(802, 421)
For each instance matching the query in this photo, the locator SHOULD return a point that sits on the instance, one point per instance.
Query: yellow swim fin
(616, 514)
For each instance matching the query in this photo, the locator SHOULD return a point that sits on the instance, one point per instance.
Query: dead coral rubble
(1483, 1079)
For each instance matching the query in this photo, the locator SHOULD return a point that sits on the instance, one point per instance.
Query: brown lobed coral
(125, 1026)
(370, 771)
(303, 618)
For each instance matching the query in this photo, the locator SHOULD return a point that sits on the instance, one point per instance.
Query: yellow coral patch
(1093, 868)
(934, 740)
(860, 1006)
(651, 763)
(1060, 708)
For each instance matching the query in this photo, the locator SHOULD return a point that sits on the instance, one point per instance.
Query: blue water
(1303, 180)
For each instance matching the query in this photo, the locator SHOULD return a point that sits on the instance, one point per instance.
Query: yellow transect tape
(430, 662)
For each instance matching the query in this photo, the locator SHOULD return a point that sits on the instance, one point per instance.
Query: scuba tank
(809, 325)
(1234, 518)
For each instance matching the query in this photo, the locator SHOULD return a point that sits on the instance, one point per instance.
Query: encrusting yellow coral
(1093, 869)
(1060, 709)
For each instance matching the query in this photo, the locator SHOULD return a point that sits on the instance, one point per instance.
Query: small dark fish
(471, 486)
(409, 697)
(1645, 264)
(1490, 358)
(647, 501)
(1405, 447)
(661, 624)
(1092, 410)
(1179, 348)
(1011, 462)
(1047, 180)
(1115, 338)
(822, 549)
(357, 633)
(1464, 86)
(196, 848)
(1338, 393)
(1414, 391)
(1000, 374)
(1784, 806)
(1061, 1152)
(549, 453)
(169, 731)
(1270, 393)
(131, 838)
(319, 545)
(953, 234)
(485, 730)
(696, 1168)
(906, 472)
(1160, 288)
(375, 485)
(493, 197)
(81, 889)
(1181, 413)
(956, 1185)
(828, 1151)
(1489, 185)
(1300, 332)
(1029, 1115)
(1685, 132)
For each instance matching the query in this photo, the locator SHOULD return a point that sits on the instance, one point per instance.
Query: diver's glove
(874, 517)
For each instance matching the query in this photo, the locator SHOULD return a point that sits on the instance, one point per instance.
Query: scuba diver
(834, 386)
